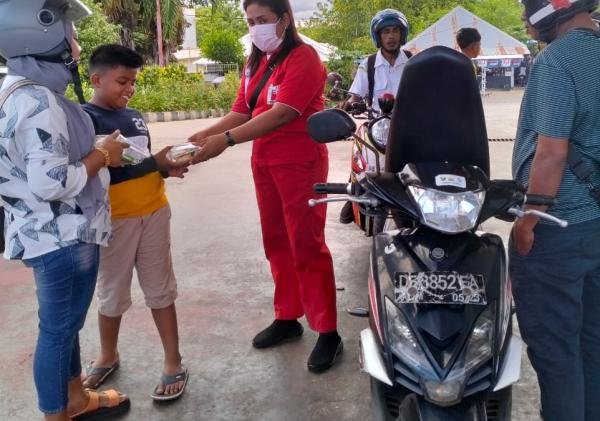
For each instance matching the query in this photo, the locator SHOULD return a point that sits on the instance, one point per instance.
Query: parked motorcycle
(439, 346)
(368, 153)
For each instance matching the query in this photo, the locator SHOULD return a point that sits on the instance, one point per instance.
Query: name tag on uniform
(272, 94)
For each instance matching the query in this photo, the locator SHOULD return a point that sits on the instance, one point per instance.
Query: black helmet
(544, 15)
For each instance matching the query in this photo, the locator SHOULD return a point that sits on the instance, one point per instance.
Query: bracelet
(230, 139)
(104, 153)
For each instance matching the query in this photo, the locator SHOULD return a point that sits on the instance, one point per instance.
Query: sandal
(167, 380)
(94, 412)
(102, 373)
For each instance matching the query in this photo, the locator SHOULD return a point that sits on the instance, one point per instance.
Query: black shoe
(347, 213)
(328, 347)
(277, 332)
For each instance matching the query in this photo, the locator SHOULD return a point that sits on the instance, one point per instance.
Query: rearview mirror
(330, 125)
(386, 103)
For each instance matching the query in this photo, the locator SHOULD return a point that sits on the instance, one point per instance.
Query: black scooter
(439, 346)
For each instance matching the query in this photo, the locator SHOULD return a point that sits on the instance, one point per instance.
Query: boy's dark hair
(110, 56)
(467, 36)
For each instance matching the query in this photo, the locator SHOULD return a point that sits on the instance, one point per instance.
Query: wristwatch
(230, 139)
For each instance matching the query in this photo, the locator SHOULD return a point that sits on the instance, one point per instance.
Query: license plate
(439, 288)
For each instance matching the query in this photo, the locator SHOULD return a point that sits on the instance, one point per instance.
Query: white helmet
(37, 27)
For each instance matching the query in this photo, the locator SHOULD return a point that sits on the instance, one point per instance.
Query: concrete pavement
(225, 293)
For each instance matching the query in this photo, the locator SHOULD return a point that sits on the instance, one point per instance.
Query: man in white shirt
(389, 31)
(381, 72)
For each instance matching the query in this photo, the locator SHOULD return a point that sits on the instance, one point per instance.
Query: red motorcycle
(368, 154)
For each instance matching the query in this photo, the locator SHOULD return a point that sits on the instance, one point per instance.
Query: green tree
(173, 26)
(504, 14)
(137, 19)
(126, 13)
(95, 31)
(345, 23)
(222, 46)
(227, 16)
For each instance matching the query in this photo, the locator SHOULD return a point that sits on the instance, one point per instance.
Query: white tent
(325, 51)
(494, 42)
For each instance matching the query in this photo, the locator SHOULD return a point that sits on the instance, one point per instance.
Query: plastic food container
(183, 152)
(134, 154)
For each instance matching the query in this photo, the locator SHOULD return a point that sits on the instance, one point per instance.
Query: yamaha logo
(438, 254)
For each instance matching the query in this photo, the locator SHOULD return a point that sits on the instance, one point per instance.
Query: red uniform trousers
(294, 241)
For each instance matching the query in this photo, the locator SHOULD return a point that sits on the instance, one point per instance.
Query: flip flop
(167, 380)
(101, 372)
(94, 412)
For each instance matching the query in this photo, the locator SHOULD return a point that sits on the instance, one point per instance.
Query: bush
(171, 89)
(345, 64)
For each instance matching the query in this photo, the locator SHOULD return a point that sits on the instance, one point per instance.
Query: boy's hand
(165, 164)
(178, 172)
(114, 147)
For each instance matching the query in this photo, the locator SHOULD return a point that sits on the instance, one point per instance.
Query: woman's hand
(114, 147)
(199, 138)
(212, 146)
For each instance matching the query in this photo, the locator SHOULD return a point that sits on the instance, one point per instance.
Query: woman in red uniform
(285, 165)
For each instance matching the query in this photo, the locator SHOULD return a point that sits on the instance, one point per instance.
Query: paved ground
(225, 297)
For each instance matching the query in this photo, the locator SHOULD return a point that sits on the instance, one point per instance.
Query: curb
(166, 116)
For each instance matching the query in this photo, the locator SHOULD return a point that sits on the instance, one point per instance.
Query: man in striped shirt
(556, 272)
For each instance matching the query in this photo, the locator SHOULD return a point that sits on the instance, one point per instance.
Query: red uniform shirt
(297, 82)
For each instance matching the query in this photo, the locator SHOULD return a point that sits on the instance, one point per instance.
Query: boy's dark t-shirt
(131, 124)
(135, 190)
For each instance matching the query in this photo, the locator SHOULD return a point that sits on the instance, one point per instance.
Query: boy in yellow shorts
(140, 225)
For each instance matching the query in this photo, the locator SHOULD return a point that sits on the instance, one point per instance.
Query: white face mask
(265, 37)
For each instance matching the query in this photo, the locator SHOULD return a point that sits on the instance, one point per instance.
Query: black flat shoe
(279, 331)
(323, 356)
(347, 213)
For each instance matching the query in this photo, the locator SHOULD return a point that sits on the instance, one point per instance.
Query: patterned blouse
(38, 184)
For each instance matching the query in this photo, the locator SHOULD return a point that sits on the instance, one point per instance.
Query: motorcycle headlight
(443, 393)
(478, 350)
(479, 347)
(379, 133)
(448, 212)
(402, 340)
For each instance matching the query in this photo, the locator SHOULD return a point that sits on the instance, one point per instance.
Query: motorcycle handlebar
(539, 200)
(333, 188)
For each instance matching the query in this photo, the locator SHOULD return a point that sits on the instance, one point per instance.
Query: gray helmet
(37, 27)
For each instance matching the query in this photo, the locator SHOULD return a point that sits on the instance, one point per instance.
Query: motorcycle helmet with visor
(40, 29)
(385, 18)
(545, 15)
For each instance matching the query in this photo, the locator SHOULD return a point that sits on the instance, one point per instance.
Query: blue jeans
(557, 295)
(65, 281)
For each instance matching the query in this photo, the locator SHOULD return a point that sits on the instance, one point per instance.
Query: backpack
(371, 74)
(3, 97)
